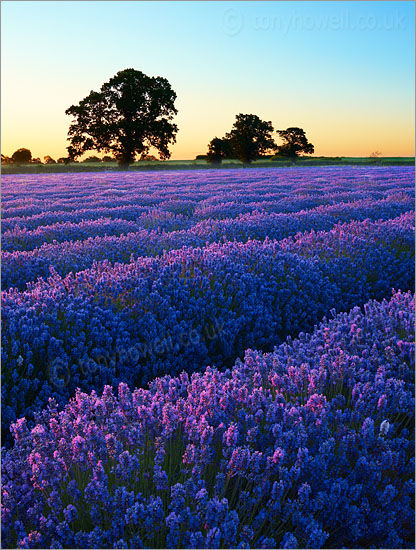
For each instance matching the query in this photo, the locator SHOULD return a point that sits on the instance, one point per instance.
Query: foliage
(311, 446)
(49, 160)
(22, 155)
(294, 143)
(130, 114)
(148, 158)
(218, 149)
(6, 160)
(92, 159)
(250, 137)
(138, 281)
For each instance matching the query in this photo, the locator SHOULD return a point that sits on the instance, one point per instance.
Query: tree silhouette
(130, 114)
(6, 160)
(294, 142)
(22, 155)
(250, 137)
(218, 149)
(92, 158)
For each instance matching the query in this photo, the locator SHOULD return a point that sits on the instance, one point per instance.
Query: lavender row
(23, 239)
(63, 191)
(189, 209)
(188, 308)
(18, 268)
(310, 446)
(202, 195)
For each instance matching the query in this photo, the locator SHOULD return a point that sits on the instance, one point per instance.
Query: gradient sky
(344, 71)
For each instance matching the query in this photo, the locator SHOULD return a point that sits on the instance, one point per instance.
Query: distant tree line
(24, 156)
(133, 113)
(251, 138)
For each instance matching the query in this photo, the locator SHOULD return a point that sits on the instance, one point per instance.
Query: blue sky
(344, 71)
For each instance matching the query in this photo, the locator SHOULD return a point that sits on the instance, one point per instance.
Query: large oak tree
(131, 114)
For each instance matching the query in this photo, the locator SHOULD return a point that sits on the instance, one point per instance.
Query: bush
(92, 159)
(22, 156)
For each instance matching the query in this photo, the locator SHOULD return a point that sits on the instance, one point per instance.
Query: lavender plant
(309, 446)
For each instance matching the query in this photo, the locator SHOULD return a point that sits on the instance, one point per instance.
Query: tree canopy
(22, 155)
(294, 142)
(49, 160)
(218, 149)
(250, 137)
(130, 114)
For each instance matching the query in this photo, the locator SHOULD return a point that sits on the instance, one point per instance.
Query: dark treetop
(131, 113)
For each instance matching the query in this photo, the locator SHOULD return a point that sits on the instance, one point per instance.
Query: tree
(218, 149)
(36, 160)
(49, 160)
(107, 158)
(6, 160)
(145, 157)
(294, 142)
(130, 114)
(250, 137)
(93, 158)
(22, 155)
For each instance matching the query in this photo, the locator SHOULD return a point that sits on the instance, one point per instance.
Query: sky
(343, 71)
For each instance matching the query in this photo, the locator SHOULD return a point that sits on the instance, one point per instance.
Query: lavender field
(208, 359)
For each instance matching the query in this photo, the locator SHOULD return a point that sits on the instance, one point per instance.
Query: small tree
(36, 160)
(22, 156)
(6, 160)
(294, 142)
(49, 160)
(218, 149)
(250, 137)
(130, 114)
(107, 158)
(92, 159)
(149, 158)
